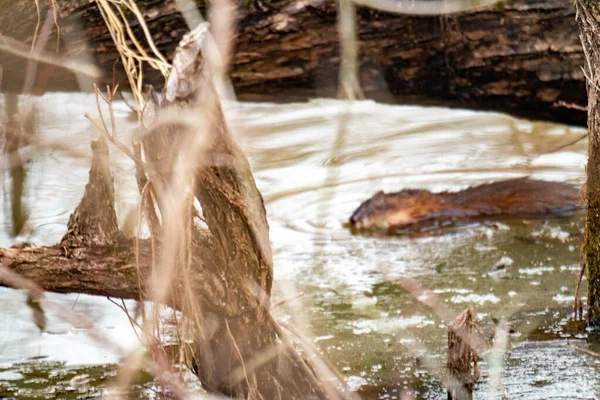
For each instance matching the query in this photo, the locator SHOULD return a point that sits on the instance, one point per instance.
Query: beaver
(412, 210)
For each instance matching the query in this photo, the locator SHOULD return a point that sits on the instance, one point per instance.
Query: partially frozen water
(314, 163)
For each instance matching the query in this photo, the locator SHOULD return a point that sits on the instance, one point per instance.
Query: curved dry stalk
(31, 69)
(135, 10)
(137, 240)
(331, 394)
(576, 302)
(499, 349)
(55, 15)
(131, 320)
(20, 49)
(314, 352)
(491, 348)
(13, 280)
(37, 25)
(263, 298)
(281, 302)
(120, 31)
(238, 353)
(349, 82)
(112, 137)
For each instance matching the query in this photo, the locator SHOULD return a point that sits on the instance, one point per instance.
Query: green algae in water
(386, 341)
(56, 380)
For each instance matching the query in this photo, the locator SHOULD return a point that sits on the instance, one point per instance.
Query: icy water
(354, 295)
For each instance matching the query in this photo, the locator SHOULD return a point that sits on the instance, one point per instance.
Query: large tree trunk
(588, 17)
(519, 56)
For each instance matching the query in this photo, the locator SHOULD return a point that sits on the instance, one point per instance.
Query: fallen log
(522, 57)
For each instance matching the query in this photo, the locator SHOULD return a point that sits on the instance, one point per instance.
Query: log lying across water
(523, 57)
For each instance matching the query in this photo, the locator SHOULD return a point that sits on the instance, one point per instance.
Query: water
(314, 163)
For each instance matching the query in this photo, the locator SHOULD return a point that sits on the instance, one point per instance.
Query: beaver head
(385, 211)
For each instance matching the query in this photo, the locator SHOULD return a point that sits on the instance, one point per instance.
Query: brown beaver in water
(411, 209)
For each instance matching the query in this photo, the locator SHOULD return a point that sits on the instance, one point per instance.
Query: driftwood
(221, 275)
(518, 56)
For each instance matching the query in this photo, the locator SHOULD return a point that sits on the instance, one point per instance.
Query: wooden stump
(460, 379)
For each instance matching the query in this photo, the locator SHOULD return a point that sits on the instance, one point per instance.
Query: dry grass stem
(491, 348)
(332, 394)
(20, 49)
(349, 82)
(132, 59)
(111, 136)
(31, 69)
(35, 292)
(37, 25)
(326, 367)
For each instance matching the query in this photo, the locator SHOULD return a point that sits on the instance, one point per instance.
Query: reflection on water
(315, 163)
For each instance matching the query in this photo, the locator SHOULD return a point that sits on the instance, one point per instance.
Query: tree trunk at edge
(522, 57)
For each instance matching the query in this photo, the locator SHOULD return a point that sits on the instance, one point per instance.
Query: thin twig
(20, 49)
(491, 348)
(571, 106)
(238, 352)
(316, 353)
(132, 322)
(34, 291)
(104, 129)
(576, 302)
(281, 302)
(121, 147)
(37, 25)
(571, 143)
(310, 376)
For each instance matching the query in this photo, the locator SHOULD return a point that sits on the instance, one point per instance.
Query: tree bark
(588, 17)
(519, 56)
(220, 278)
(100, 270)
(236, 321)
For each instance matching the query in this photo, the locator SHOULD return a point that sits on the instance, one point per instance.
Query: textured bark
(237, 332)
(460, 380)
(519, 56)
(237, 319)
(588, 17)
(100, 270)
(94, 221)
(221, 276)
